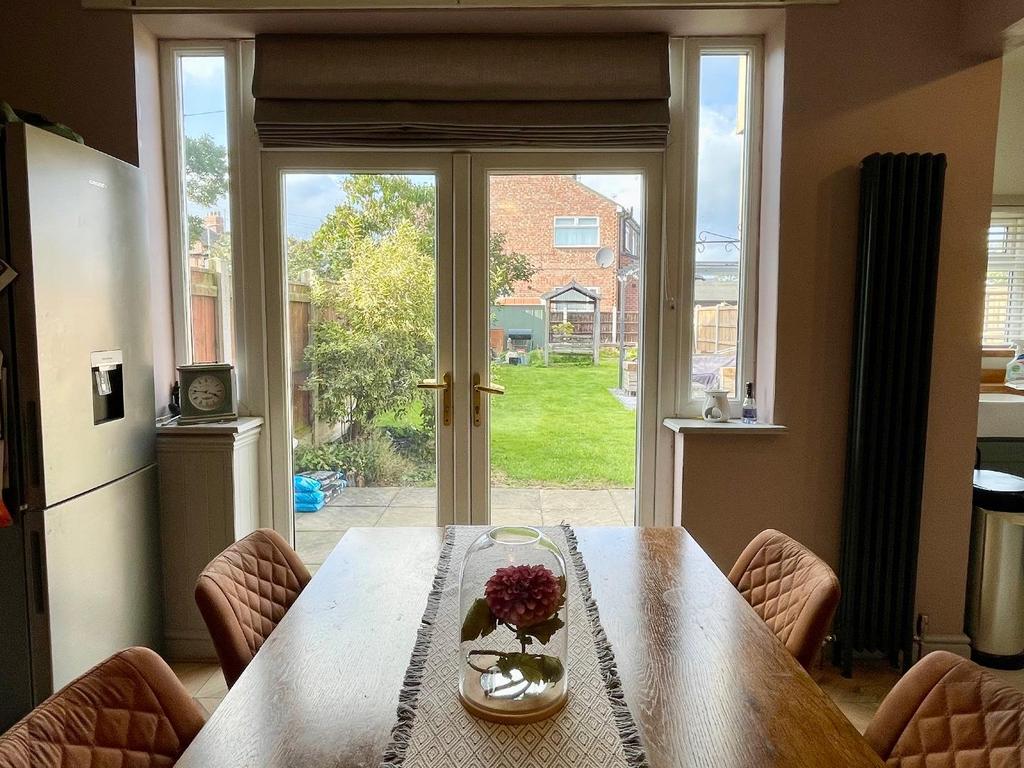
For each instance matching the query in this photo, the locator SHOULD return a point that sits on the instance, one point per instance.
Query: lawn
(560, 426)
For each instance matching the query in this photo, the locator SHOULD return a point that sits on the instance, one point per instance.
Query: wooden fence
(206, 331)
(715, 328)
(583, 325)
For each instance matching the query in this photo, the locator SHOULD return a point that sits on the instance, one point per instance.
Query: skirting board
(186, 646)
(957, 643)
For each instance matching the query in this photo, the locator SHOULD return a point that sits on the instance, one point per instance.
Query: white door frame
(275, 164)
(462, 314)
(472, 326)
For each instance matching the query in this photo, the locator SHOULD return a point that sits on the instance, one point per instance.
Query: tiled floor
(316, 533)
(857, 698)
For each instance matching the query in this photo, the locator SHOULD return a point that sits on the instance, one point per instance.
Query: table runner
(594, 730)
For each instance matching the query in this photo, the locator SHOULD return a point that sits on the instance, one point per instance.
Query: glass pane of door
(564, 285)
(361, 257)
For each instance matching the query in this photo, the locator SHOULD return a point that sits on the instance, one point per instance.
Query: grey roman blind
(462, 90)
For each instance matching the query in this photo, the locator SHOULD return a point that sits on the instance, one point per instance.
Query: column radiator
(898, 253)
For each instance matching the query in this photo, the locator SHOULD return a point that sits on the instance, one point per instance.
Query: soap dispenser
(1015, 368)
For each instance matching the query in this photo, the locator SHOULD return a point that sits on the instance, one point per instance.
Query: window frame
(576, 225)
(1014, 214)
(682, 169)
(173, 140)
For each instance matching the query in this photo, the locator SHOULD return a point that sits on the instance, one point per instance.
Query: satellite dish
(604, 257)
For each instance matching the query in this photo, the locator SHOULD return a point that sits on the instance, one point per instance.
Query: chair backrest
(245, 592)
(129, 710)
(948, 711)
(791, 588)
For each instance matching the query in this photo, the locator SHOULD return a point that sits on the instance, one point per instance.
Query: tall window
(200, 202)
(1004, 282)
(723, 222)
(577, 232)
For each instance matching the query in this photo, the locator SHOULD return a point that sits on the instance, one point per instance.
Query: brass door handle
(479, 389)
(445, 385)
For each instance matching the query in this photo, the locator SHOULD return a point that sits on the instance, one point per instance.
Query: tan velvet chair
(245, 592)
(130, 710)
(791, 588)
(947, 712)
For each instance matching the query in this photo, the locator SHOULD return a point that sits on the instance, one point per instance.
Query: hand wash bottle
(1015, 368)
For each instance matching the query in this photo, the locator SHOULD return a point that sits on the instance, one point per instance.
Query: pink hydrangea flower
(523, 595)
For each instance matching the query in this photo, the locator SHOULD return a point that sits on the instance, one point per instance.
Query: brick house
(560, 224)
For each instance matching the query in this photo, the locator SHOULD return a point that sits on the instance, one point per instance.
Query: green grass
(555, 427)
(560, 426)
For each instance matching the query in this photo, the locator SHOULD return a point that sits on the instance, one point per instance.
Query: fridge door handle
(38, 582)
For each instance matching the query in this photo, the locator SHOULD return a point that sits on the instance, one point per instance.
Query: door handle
(445, 385)
(479, 389)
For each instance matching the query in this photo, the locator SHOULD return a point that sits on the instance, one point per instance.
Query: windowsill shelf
(733, 427)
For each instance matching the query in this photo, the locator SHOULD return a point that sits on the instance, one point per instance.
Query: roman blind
(1004, 282)
(462, 90)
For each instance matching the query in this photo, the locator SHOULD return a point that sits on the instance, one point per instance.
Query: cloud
(719, 175)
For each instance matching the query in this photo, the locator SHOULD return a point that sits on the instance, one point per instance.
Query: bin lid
(998, 491)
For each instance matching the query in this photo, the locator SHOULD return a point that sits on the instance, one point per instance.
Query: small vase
(513, 654)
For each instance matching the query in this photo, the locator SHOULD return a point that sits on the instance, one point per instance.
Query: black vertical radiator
(898, 256)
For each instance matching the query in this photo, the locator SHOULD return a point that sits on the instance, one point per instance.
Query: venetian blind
(1004, 283)
(462, 90)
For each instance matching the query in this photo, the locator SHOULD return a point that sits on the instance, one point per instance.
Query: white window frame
(681, 203)
(576, 225)
(1014, 221)
(170, 86)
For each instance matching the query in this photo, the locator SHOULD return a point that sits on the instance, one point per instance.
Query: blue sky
(310, 197)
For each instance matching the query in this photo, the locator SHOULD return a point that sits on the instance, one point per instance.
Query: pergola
(575, 295)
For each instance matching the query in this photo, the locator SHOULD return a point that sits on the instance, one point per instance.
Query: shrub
(536, 357)
(372, 455)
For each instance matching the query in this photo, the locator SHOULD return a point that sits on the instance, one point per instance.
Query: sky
(310, 197)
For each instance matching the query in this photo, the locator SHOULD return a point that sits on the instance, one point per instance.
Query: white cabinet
(209, 498)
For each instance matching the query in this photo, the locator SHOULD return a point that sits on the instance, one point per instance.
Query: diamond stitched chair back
(947, 712)
(129, 710)
(791, 588)
(245, 592)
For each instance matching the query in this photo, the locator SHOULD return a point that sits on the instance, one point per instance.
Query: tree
(373, 282)
(206, 170)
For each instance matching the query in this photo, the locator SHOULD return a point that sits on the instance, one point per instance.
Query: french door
(461, 338)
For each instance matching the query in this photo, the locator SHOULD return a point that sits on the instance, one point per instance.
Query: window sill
(733, 427)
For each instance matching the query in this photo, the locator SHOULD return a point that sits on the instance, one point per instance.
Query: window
(1004, 282)
(199, 182)
(719, 218)
(577, 232)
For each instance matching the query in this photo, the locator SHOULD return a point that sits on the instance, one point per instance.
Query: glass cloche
(514, 646)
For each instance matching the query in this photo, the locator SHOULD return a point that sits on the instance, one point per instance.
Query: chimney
(214, 223)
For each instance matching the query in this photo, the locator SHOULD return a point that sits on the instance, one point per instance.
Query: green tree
(372, 263)
(206, 170)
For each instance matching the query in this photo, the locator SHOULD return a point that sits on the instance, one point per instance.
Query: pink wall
(862, 77)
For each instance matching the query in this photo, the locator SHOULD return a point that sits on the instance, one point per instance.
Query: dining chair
(245, 592)
(948, 711)
(791, 588)
(129, 710)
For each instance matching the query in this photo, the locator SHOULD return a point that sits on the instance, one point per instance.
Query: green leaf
(542, 632)
(534, 667)
(479, 621)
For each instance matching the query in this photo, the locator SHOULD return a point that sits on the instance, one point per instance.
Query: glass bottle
(514, 646)
(749, 415)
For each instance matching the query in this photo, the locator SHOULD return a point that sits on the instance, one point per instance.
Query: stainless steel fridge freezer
(80, 569)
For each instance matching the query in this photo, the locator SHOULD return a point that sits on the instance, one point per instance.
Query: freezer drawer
(96, 563)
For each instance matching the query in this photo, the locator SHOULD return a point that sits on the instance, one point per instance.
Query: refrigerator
(80, 566)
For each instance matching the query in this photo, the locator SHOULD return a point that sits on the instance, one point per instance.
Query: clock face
(206, 392)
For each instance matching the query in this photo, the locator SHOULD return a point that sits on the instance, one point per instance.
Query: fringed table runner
(594, 730)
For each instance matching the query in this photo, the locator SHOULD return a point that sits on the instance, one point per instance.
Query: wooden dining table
(707, 682)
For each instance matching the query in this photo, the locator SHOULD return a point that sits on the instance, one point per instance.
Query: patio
(316, 533)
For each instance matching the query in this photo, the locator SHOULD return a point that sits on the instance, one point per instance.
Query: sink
(1000, 414)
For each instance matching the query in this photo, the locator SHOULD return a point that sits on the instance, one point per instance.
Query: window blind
(462, 90)
(1004, 282)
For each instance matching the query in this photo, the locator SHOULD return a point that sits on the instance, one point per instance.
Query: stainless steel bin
(995, 587)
